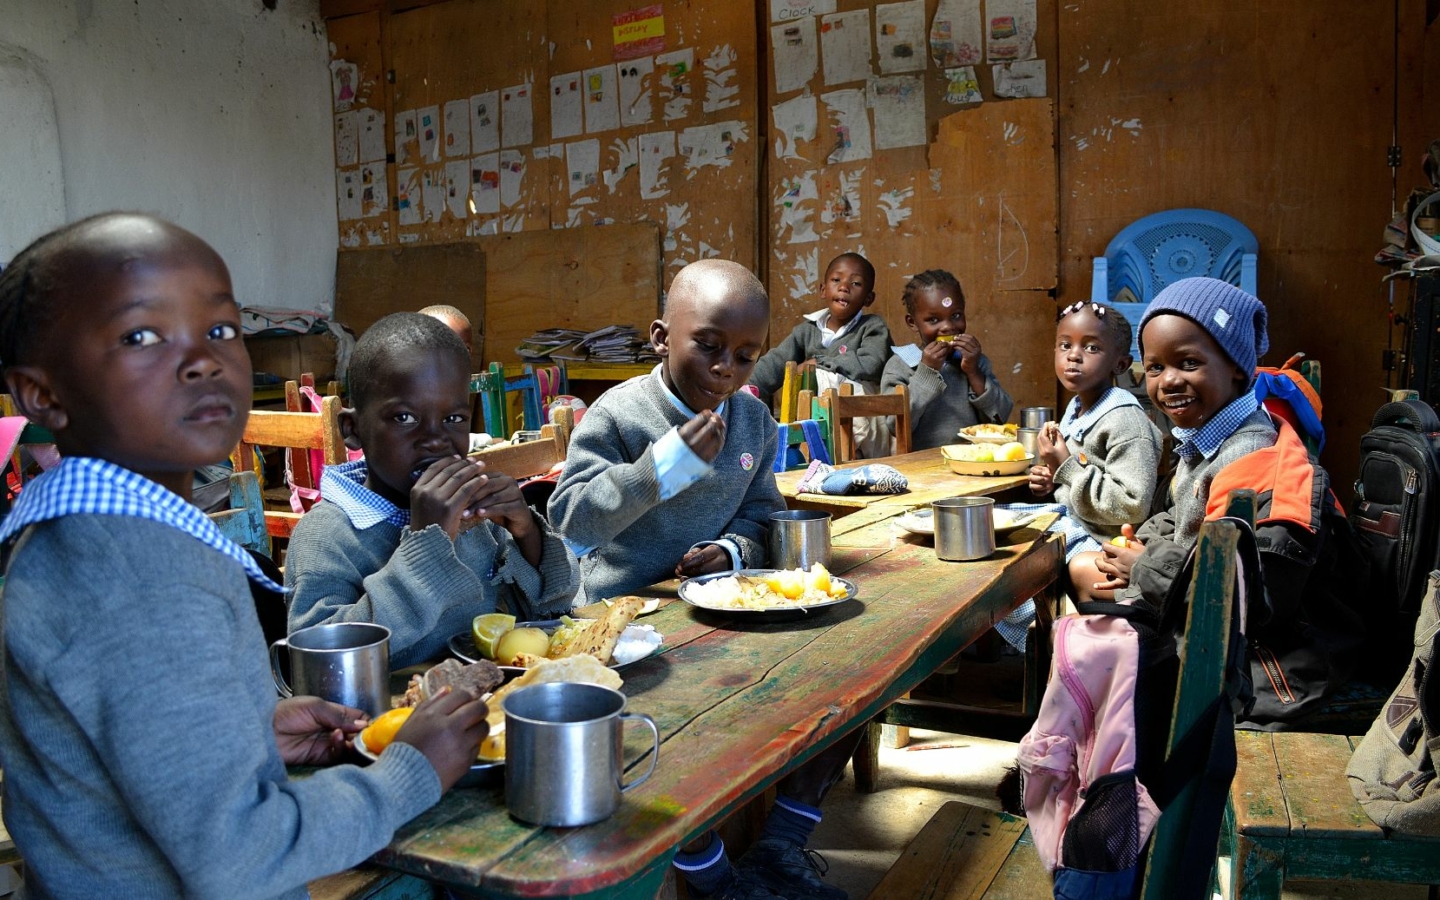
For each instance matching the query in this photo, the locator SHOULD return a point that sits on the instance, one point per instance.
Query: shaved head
(716, 281)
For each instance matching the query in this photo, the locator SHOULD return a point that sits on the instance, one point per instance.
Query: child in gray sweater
(951, 383)
(386, 544)
(143, 747)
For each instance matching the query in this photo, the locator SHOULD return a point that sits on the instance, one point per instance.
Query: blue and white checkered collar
(83, 485)
(1206, 440)
(344, 486)
(1074, 424)
(677, 402)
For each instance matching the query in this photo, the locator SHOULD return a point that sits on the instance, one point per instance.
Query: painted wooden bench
(1292, 816)
(369, 882)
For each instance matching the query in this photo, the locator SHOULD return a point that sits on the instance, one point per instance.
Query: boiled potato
(521, 640)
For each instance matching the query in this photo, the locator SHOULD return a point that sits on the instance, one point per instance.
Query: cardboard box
(291, 355)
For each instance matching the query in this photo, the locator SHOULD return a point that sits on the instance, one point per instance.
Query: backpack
(1392, 772)
(1094, 774)
(1395, 514)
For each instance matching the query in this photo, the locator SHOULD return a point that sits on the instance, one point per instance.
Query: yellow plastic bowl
(969, 467)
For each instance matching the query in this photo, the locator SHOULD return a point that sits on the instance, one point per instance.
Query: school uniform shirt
(610, 505)
(1109, 478)
(354, 558)
(857, 351)
(941, 402)
(137, 716)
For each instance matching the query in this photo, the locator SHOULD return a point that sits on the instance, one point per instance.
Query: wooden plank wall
(1277, 115)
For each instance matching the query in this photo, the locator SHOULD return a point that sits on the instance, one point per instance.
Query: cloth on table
(875, 478)
(1077, 540)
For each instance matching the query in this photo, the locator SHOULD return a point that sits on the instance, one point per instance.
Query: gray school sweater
(609, 498)
(940, 403)
(421, 585)
(1115, 485)
(858, 354)
(136, 729)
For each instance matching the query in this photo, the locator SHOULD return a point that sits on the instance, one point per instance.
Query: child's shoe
(789, 870)
(741, 886)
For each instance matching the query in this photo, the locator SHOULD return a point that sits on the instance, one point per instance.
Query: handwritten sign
(786, 10)
(639, 32)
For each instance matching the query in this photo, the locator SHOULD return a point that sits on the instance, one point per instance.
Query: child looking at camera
(951, 383)
(417, 536)
(143, 747)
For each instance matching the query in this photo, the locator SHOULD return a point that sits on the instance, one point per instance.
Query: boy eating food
(416, 536)
(143, 747)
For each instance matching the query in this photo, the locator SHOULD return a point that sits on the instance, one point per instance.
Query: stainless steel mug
(1029, 438)
(964, 528)
(799, 538)
(564, 762)
(347, 662)
(1036, 416)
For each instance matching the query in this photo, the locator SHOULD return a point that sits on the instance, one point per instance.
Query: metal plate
(778, 612)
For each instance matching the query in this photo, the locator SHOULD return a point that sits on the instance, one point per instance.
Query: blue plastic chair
(1152, 252)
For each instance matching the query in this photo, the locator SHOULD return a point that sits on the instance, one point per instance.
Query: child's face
(148, 370)
(939, 311)
(1187, 375)
(418, 413)
(709, 347)
(846, 291)
(1086, 355)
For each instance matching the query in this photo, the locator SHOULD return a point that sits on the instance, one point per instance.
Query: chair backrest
(844, 405)
(796, 381)
(794, 434)
(1163, 247)
(244, 521)
(295, 431)
(521, 461)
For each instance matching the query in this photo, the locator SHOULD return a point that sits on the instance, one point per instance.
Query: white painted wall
(212, 113)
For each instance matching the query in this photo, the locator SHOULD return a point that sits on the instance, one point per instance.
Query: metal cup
(564, 760)
(1029, 438)
(347, 662)
(964, 528)
(799, 538)
(1036, 416)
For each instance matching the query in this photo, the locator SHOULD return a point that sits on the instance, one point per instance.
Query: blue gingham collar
(83, 485)
(1074, 424)
(344, 486)
(1206, 440)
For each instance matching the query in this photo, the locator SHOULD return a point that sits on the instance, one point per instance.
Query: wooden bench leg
(1257, 873)
(866, 761)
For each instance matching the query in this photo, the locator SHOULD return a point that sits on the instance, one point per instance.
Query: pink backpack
(301, 497)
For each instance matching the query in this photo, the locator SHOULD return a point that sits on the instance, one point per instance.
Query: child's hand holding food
(704, 434)
(1042, 482)
(312, 732)
(1051, 446)
(1119, 556)
(444, 493)
(937, 352)
(448, 728)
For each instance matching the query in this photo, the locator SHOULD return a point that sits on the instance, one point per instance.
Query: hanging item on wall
(567, 117)
(517, 123)
(405, 137)
(847, 125)
(787, 10)
(602, 108)
(1025, 78)
(956, 34)
(485, 184)
(347, 190)
(655, 148)
(374, 192)
(961, 86)
(636, 104)
(899, 105)
(408, 196)
(639, 32)
(582, 165)
(676, 92)
(794, 51)
(795, 121)
(485, 122)
(372, 135)
(512, 175)
(457, 128)
(344, 81)
(899, 36)
(1009, 30)
(347, 152)
(845, 46)
(427, 121)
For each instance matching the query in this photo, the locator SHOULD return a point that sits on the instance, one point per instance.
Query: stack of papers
(542, 345)
(613, 343)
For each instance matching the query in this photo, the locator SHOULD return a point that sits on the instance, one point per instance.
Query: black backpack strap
(1415, 414)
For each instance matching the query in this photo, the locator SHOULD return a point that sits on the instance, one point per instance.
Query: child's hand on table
(310, 731)
(1042, 481)
(704, 434)
(1051, 445)
(703, 560)
(448, 728)
(1117, 562)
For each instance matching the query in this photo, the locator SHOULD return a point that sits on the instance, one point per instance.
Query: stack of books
(613, 343)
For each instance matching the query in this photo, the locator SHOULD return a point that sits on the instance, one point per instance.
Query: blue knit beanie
(1234, 318)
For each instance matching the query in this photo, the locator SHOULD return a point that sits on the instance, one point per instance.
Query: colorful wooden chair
(296, 431)
(842, 406)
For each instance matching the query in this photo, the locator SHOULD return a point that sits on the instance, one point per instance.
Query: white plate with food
(988, 434)
(767, 593)
(922, 521)
(462, 645)
(612, 638)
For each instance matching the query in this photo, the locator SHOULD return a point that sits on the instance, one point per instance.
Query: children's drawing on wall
(675, 91)
(709, 145)
(347, 189)
(344, 80)
(347, 150)
(796, 55)
(408, 197)
(602, 107)
(796, 206)
(961, 86)
(405, 137)
(721, 91)
(636, 106)
(432, 192)
(372, 135)
(787, 10)
(847, 125)
(1009, 30)
(845, 46)
(567, 117)
(1025, 78)
(457, 128)
(795, 121)
(485, 122)
(841, 193)
(512, 176)
(638, 32)
(655, 148)
(457, 187)
(900, 36)
(582, 163)
(898, 102)
(956, 34)
(627, 156)
(427, 120)
(485, 184)
(517, 123)
(374, 193)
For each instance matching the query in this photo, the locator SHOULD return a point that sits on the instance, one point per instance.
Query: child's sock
(705, 870)
(791, 820)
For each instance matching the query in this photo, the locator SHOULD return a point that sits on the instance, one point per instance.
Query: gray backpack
(1392, 772)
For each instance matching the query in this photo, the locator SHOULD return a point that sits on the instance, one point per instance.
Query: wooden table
(739, 704)
(930, 479)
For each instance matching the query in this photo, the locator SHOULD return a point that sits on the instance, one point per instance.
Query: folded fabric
(875, 478)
